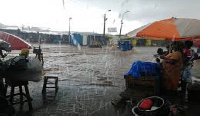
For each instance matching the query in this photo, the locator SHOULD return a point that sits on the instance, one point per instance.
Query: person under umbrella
(198, 51)
(4, 46)
(189, 56)
(172, 64)
(1, 54)
(7, 47)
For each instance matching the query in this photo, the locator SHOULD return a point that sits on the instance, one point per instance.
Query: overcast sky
(87, 15)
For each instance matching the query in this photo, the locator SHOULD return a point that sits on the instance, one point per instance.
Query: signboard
(112, 29)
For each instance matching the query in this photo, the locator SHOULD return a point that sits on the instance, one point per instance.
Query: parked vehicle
(125, 45)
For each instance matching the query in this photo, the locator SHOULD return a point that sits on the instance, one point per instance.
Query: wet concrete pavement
(89, 79)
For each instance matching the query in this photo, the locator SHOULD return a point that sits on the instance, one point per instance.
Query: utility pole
(104, 24)
(69, 30)
(122, 23)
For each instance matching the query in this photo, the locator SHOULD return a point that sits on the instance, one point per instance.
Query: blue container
(125, 45)
(71, 40)
(77, 39)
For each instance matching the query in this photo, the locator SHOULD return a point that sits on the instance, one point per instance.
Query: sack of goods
(24, 69)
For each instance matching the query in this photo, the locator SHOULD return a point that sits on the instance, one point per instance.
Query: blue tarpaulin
(140, 68)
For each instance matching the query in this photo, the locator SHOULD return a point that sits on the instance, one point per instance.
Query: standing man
(189, 56)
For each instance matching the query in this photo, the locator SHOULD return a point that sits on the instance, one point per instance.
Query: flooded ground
(89, 79)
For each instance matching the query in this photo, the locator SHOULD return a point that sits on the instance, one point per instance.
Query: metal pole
(69, 29)
(120, 29)
(122, 24)
(39, 38)
(104, 23)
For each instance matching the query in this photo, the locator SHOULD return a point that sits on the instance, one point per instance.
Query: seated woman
(161, 54)
(172, 64)
(19, 62)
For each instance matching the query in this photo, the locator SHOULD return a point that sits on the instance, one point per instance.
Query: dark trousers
(157, 87)
(2, 88)
(184, 95)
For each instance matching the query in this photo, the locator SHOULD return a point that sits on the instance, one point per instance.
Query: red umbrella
(196, 43)
(16, 42)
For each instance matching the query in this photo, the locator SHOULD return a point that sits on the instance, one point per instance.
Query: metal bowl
(136, 111)
(158, 103)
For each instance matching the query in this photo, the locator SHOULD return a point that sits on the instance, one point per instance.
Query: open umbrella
(169, 29)
(196, 43)
(16, 42)
(5, 46)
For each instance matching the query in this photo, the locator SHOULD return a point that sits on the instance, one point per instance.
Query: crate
(144, 81)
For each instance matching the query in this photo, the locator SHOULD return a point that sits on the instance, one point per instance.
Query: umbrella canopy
(5, 46)
(16, 42)
(169, 29)
(196, 43)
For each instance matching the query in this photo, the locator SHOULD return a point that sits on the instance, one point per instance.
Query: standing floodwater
(88, 79)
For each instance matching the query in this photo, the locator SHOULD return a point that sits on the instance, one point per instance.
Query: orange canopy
(169, 29)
